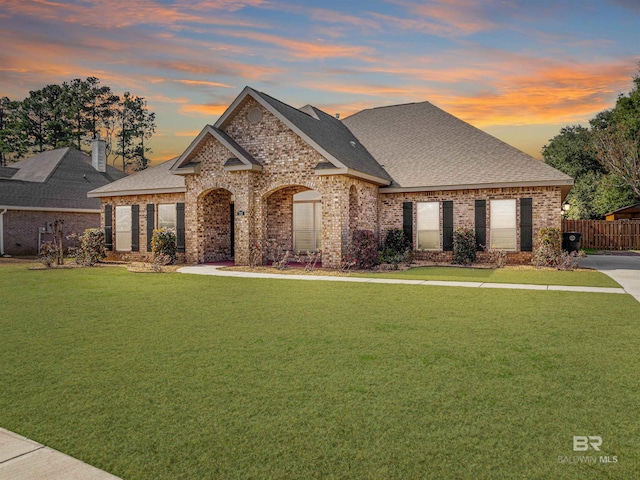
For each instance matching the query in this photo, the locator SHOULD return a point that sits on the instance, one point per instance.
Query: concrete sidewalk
(217, 270)
(624, 269)
(24, 459)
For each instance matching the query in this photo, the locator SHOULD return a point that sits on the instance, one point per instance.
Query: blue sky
(520, 70)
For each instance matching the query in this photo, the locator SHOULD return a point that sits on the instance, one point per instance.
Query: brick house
(50, 186)
(269, 174)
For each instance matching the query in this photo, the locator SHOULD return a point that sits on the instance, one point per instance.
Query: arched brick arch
(214, 225)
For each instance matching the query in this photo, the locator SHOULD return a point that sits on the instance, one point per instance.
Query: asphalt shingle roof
(154, 178)
(420, 145)
(58, 178)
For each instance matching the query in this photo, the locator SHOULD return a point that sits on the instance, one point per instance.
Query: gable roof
(184, 165)
(324, 133)
(56, 179)
(156, 179)
(425, 148)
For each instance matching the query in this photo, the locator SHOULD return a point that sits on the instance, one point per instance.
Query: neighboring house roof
(157, 179)
(635, 208)
(56, 179)
(425, 148)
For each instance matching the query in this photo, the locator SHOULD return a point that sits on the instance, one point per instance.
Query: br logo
(582, 443)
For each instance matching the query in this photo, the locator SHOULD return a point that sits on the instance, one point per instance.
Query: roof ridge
(62, 157)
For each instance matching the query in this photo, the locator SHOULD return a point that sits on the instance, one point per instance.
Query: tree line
(603, 158)
(72, 115)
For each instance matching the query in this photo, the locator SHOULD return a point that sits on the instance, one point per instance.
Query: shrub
(548, 247)
(48, 253)
(396, 248)
(92, 246)
(163, 243)
(365, 249)
(464, 246)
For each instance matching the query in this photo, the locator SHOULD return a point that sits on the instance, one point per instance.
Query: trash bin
(571, 241)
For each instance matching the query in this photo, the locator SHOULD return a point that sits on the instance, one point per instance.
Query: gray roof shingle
(420, 145)
(156, 179)
(58, 178)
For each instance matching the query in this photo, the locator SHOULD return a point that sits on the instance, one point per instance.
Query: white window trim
(418, 229)
(515, 224)
(316, 228)
(157, 215)
(117, 230)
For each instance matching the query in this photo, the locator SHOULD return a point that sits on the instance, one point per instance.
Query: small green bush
(365, 249)
(164, 246)
(396, 248)
(548, 247)
(464, 246)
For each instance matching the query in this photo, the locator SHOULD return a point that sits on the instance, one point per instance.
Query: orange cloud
(206, 110)
(308, 50)
(191, 134)
(202, 83)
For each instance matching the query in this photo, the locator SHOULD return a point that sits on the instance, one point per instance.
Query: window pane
(303, 233)
(428, 215)
(503, 224)
(123, 228)
(428, 225)
(167, 216)
(428, 240)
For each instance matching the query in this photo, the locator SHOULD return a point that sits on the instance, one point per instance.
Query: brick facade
(21, 228)
(546, 203)
(141, 200)
(262, 201)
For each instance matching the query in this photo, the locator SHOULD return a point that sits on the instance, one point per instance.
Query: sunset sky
(518, 69)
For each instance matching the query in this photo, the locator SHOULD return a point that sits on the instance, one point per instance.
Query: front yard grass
(166, 376)
(544, 276)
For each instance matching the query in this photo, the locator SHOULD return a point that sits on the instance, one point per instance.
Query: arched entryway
(215, 226)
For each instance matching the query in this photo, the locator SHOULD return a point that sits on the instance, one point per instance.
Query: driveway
(624, 269)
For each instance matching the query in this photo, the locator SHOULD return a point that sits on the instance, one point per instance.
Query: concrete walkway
(624, 269)
(217, 270)
(24, 459)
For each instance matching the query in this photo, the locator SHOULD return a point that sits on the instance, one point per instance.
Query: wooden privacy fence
(604, 235)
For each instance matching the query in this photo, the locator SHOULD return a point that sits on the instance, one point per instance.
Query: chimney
(99, 154)
(338, 116)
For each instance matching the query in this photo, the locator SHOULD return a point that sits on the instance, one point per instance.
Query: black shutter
(108, 228)
(180, 226)
(135, 228)
(407, 221)
(481, 223)
(447, 226)
(151, 217)
(526, 224)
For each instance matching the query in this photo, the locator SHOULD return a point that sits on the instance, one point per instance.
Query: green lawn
(500, 275)
(170, 376)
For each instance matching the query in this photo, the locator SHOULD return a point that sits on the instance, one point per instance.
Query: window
(167, 217)
(503, 224)
(123, 228)
(307, 221)
(429, 225)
